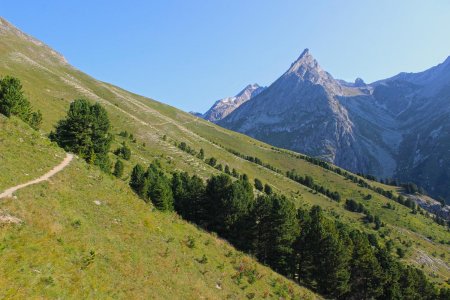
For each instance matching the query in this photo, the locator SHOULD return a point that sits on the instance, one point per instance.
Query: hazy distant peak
(359, 82)
(249, 89)
(225, 106)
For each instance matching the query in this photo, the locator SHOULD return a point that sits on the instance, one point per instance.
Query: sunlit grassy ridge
(51, 85)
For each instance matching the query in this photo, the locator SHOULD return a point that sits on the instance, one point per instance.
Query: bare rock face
(398, 127)
(302, 111)
(225, 106)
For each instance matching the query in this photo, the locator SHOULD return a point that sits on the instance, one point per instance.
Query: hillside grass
(84, 234)
(24, 154)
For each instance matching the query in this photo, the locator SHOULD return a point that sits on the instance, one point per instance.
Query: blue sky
(191, 53)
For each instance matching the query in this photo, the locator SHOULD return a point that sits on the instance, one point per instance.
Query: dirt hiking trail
(9, 192)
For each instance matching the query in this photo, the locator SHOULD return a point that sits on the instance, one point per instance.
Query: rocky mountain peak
(359, 82)
(225, 106)
(305, 62)
(249, 89)
(307, 69)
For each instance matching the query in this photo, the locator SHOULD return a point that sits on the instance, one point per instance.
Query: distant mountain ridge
(225, 106)
(393, 128)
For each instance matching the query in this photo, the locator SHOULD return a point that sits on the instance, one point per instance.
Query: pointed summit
(307, 69)
(304, 62)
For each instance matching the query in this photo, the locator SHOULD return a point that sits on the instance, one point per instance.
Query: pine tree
(118, 169)
(189, 194)
(322, 254)
(267, 189)
(85, 131)
(160, 193)
(226, 203)
(211, 161)
(366, 274)
(377, 222)
(14, 102)
(391, 275)
(124, 151)
(35, 120)
(137, 179)
(201, 154)
(12, 99)
(227, 170)
(157, 188)
(270, 231)
(258, 184)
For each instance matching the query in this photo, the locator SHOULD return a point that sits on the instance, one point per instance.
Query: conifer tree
(124, 151)
(201, 154)
(258, 184)
(137, 179)
(267, 189)
(85, 131)
(227, 170)
(14, 102)
(270, 231)
(118, 169)
(189, 194)
(366, 274)
(157, 187)
(12, 99)
(323, 258)
(227, 202)
(160, 193)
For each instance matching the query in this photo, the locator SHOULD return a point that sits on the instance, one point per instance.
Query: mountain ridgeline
(226, 106)
(393, 128)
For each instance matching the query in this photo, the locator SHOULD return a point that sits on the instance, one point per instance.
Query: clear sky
(189, 53)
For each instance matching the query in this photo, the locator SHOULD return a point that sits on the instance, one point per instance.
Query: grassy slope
(17, 167)
(51, 85)
(139, 253)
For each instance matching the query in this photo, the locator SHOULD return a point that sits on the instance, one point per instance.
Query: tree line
(322, 254)
(309, 182)
(409, 188)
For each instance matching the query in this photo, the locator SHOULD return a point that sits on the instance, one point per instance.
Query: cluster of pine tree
(123, 152)
(13, 102)
(152, 185)
(263, 188)
(309, 182)
(86, 132)
(409, 188)
(315, 251)
(354, 206)
(255, 160)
